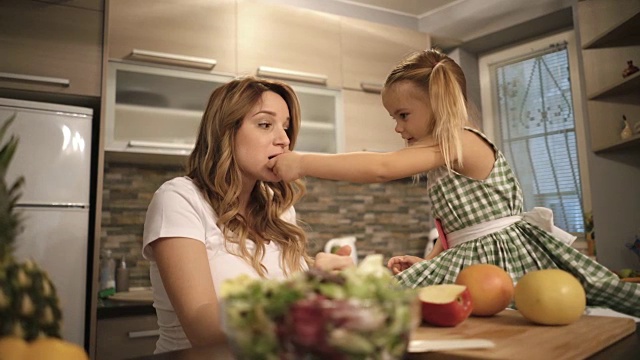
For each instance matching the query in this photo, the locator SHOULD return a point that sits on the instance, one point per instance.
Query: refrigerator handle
(36, 79)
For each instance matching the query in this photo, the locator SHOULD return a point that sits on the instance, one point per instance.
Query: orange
(490, 286)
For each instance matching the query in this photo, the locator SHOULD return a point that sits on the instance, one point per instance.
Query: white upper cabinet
(50, 48)
(371, 50)
(154, 110)
(198, 34)
(289, 43)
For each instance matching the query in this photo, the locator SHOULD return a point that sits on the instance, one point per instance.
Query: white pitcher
(338, 242)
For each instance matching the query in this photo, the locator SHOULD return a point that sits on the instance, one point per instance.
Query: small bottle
(107, 275)
(122, 276)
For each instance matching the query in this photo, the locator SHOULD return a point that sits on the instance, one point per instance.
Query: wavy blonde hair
(446, 86)
(213, 167)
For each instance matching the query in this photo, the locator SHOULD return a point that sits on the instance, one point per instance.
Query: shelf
(634, 141)
(626, 33)
(628, 85)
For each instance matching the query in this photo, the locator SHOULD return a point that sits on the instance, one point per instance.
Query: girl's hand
(398, 264)
(338, 261)
(287, 166)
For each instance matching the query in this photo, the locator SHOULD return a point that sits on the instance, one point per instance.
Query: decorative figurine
(631, 69)
(626, 130)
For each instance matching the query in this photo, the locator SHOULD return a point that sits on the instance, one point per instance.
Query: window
(529, 110)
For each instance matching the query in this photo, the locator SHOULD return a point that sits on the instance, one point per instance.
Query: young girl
(476, 198)
(229, 215)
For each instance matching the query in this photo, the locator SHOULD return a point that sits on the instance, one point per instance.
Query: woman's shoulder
(181, 186)
(178, 184)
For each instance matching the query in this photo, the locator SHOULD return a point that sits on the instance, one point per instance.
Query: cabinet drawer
(188, 33)
(50, 48)
(126, 337)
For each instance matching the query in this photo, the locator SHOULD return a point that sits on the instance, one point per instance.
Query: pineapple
(29, 306)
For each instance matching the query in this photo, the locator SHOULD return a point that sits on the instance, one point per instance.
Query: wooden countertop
(591, 337)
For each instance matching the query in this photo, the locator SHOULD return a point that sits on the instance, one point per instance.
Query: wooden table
(591, 337)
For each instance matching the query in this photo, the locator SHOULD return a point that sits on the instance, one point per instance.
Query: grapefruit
(550, 297)
(490, 286)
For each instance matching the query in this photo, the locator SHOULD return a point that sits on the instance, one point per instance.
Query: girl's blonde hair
(213, 167)
(445, 84)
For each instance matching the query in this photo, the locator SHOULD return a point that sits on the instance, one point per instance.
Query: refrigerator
(54, 156)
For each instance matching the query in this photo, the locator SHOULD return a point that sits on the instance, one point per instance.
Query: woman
(230, 215)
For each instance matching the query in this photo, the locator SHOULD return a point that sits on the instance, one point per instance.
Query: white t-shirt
(178, 209)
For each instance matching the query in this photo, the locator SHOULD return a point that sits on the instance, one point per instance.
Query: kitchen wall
(390, 219)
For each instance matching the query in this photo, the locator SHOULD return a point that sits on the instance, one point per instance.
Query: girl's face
(261, 136)
(409, 106)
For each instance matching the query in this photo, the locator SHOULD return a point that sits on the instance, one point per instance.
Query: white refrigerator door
(54, 151)
(56, 239)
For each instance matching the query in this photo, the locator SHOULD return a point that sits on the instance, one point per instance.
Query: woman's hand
(287, 166)
(340, 260)
(398, 264)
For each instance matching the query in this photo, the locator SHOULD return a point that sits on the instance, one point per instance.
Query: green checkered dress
(459, 202)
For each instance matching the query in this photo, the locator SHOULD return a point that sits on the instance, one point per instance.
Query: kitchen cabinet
(197, 34)
(51, 48)
(153, 113)
(289, 43)
(321, 113)
(611, 38)
(367, 124)
(126, 337)
(154, 110)
(371, 50)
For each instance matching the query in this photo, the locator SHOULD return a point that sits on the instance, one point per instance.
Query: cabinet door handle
(371, 87)
(36, 79)
(286, 74)
(159, 145)
(143, 333)
(190, 61)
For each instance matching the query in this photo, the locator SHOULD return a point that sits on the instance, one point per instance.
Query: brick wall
(391, 219)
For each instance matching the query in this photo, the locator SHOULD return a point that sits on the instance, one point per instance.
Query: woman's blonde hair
(445, 84)
(213, 167)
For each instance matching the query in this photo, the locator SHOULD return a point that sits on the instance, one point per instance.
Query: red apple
(445, 305)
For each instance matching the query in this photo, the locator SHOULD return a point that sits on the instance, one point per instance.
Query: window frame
(490, 123)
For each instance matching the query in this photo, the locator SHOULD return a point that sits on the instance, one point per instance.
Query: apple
(490, 286)
(445, 305)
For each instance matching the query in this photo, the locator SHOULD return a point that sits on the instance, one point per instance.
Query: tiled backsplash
(391, 219)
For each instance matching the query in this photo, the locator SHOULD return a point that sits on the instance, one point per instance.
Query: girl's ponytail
(449, 108)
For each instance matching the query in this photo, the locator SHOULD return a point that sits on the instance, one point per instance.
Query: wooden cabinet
(288, 42)
(610, 33)
(191, 33)
(367, 124)
(126, 337)
(371, 50)
(51, 48)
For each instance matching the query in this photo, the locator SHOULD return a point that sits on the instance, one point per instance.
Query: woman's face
(262, 136)
(410, 107)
